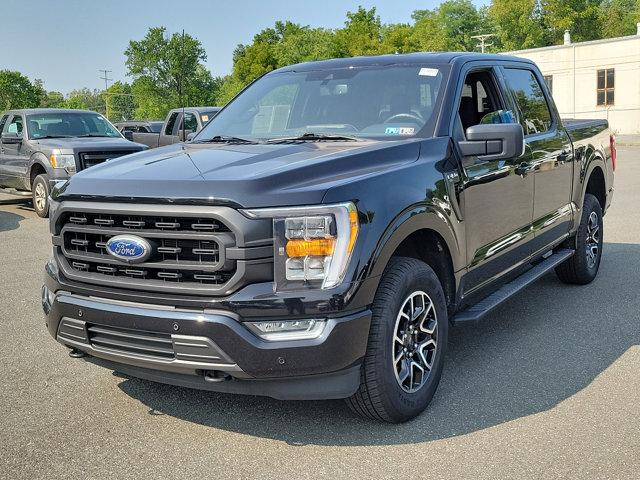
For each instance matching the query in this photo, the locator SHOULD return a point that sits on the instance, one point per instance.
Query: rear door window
(534, 113)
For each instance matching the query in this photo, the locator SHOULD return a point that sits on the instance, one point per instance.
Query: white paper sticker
(205, 118)
(428, 72)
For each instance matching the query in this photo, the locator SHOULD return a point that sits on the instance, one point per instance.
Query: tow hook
(215, 376)
(75, 353)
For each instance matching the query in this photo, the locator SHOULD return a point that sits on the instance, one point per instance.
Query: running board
(484, 306)
(13, 191)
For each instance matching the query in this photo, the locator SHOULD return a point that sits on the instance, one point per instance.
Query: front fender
(37, 160)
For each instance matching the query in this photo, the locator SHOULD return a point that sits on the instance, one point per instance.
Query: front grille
(90, 159)
(152, 344)
(187, 252)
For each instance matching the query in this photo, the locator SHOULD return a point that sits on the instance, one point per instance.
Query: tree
(519, 24)
(448, 27)
(120, 101)
(580, 17)
(361, 35)
(17, 91)
(619, 17)
(85, 99)
(167, 69)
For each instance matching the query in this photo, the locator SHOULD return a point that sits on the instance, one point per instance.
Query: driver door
(14, 159)
(497, 199)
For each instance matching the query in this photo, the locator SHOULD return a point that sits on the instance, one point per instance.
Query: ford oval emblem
(129, 248)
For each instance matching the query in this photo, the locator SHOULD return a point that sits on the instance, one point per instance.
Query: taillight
(612, 146)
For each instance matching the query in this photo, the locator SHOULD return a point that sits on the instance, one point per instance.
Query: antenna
(184, 138)
(482, 39)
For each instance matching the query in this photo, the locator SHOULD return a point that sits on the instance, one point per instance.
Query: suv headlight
(312, 245)
(66, 161)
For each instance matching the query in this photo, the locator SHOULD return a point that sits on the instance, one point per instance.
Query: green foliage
(519, 24)
(17, 91)
(120, 101)
(580, 17)
(619, 17)
(85, 99)
(168, 72)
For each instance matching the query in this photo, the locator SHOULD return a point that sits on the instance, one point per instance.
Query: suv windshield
(69, 124)
(383, 102)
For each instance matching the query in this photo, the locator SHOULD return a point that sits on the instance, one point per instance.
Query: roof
(419, 58)
(196, 109)
(578, 44)
(49, 110)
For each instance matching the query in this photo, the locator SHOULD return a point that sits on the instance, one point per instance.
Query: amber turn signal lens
(318, 247)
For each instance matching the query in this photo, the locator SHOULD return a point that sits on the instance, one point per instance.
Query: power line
(483, 39)
(106, 78)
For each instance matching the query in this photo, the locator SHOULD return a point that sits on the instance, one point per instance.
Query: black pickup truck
(317, 238)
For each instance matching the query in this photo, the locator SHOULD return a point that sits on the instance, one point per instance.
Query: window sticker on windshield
(399, 130)
(428, 72)
(205, 118)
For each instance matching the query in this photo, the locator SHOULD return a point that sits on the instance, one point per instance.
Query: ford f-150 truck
(177, 127)
(319, 236)
(41, 146)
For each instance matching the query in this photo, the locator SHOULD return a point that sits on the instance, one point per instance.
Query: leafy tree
(85, 99)
(398, 38)
(448, 27)
(121, 102)
(17, 91)
(519, 24)
(167, 69)
(52, 100)
(361, 35)
(619, 17)
(580, 17)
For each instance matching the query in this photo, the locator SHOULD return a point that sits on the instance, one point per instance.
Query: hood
(88, 144)
(244, 175)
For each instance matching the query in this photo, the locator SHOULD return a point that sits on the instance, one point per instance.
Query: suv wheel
(407, 342)
(40, 193)
(582, 268)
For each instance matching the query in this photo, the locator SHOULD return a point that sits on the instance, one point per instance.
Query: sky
(66, 42)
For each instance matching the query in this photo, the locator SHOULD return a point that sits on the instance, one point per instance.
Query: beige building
(597, 79)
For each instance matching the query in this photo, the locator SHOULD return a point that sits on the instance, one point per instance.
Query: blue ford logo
(129, 248)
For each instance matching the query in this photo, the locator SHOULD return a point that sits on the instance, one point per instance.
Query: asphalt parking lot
(548, 386)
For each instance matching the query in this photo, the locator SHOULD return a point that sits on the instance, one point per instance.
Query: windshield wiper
(52, 136)
(225, 139)
(310, 136)
(97, 135)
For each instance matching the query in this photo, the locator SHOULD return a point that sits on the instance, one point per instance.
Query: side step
(17, 193)
(484, 306)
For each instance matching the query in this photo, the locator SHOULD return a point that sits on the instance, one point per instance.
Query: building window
(606, 84)
(549, 81)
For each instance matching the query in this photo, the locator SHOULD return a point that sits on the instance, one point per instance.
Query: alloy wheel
(40, 197)
(592, 243)
(414, 341)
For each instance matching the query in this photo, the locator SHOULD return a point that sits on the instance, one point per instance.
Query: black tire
(39, 188)
(380, 395)
(582, 267)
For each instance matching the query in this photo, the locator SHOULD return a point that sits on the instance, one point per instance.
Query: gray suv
(41, 146)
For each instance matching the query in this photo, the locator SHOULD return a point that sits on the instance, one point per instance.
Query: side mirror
(497, 141)
(128, 134)
(190, 136)
(11, 137)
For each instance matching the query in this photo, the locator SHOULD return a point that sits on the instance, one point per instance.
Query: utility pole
(106, 79)
(483, 39)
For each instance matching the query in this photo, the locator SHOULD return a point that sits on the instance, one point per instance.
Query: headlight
(66, 161)
(312, 245)
(287, 329)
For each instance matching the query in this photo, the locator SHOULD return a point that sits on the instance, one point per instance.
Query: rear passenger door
(548, 154)
(497, 199)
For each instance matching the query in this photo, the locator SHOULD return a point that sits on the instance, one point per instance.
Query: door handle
(523, 169)
(564, 155)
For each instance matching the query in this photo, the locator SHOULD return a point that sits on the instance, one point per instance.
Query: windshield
(69, 124)
(155, 127)
(384, 102)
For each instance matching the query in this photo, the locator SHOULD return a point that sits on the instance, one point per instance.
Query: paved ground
(547, 387)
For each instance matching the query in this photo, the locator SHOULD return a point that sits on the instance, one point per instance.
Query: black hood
(248, 175)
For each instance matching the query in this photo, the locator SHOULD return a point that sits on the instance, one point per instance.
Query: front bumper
(206, 348)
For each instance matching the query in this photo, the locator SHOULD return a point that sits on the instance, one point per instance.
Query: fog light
(287, 329)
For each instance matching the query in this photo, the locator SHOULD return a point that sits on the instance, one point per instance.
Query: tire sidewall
(591, 204)
(42, 179)
(407, 405)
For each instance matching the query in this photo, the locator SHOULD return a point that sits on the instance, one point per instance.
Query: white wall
(577, 64)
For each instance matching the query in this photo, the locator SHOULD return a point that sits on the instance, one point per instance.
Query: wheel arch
(425, 234)
(38, 165)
